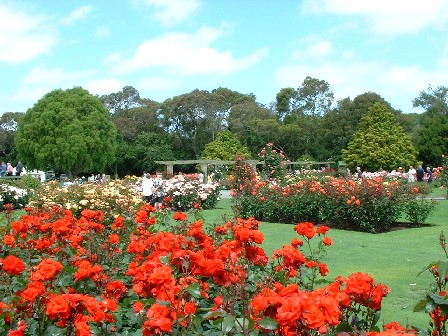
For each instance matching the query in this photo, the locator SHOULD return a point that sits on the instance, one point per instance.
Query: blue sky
(165, 48)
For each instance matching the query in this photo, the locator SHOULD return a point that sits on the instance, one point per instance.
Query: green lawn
(394, 258)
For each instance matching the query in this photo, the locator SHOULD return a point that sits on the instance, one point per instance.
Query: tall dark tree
(68, 131)
(8, 130)
(433, 134)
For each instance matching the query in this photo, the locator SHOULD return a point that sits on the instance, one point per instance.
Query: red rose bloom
(13, 265)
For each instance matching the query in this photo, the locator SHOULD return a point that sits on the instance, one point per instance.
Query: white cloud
(158, 83)
(319, 49)
(103, 86)
(173, 11)
(54, 76)
(386, 16)
(188, 54)
(23, 36)
(77, 14)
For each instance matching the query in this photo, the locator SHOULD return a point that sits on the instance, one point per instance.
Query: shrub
(417, 210)
(370, 205)
(113, 198)
(10, 194)
(185, 194)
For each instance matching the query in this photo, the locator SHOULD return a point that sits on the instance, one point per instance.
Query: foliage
(275, 162)
(313, 98)
(68, 131)
(29, 183)
(64, 274)
(380, 143)
(360, 205)
(435, 302)
(8, 129)
(225, 147)
(432, 142)
(417, 210)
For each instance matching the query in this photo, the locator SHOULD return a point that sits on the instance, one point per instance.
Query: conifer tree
(379, 143)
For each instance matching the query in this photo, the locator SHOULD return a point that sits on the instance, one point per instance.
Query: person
(358, 172)
(3, 169)
(420, 173)
(201, 177)
(180, 177)
(9, 169)
(411, 174)
(429, 172)
(19, 168)
(147, 188)
(158, 190)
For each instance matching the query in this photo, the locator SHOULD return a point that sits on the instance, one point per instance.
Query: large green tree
(380, 142)
(67, 130)
(226, 147)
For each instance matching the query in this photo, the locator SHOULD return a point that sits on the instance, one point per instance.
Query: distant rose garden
(96, 259)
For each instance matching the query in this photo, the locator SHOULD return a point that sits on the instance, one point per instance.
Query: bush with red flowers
(371, 205)
(67, 274)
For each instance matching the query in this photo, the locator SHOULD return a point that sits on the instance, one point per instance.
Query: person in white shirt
(411, 174)
(147, 187)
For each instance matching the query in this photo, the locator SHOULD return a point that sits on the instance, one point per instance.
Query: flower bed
(188, 193)
(371, 205)
(63, 274)
(120, 197)
(16, 197)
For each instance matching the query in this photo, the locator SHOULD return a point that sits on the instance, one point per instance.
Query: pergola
(204, 163)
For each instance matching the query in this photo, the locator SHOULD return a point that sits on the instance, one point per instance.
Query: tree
(8, 130)
(67, 131)
(341, 123)
(121, 101)
(313, 98)
(433, 140)
(433, 134)
(226, 147)
(380, 142)
(433, 101)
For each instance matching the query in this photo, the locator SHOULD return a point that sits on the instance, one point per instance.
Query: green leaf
(194, 290)
(343, 327)
(214, 314)
(228, 323)
(421, 305)
(268, 323)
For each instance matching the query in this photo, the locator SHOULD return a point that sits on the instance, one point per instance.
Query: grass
(394, 258)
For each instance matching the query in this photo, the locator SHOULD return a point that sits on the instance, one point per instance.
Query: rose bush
(66, 274)
(16, 197)
(371, 205)
(119, 197)
(185, 194)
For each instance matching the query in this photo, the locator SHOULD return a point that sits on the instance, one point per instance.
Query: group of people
(419, 174)
(6, 169)
(152, 189)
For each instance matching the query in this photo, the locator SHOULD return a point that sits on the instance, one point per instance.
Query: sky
(165, 48)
